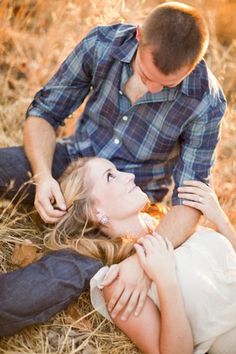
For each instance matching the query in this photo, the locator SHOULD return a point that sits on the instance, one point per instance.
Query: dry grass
(35, 36)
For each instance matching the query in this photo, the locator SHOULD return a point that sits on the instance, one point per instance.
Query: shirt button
(116, 141)
(125, 118)
(120, 92)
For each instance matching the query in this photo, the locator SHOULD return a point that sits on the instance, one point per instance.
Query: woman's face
(114, 193)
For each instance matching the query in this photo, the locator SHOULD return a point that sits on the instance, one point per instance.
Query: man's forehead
(145, 62)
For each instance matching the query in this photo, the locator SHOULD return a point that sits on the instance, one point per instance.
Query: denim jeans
(33, 294)
(14, 167)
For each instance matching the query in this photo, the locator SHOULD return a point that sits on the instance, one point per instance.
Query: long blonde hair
(77, 229)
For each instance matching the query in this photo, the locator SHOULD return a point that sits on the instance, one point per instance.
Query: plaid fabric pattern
(172, 133)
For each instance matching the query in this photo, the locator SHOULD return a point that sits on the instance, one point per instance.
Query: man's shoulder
(202, 82)
(117, 32)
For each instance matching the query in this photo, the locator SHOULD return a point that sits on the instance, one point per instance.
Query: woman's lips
(134, 187)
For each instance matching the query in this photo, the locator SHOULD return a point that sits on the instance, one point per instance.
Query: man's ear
(138, 33)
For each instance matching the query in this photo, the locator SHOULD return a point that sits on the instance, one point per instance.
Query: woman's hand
(156, 255)
(198, 195)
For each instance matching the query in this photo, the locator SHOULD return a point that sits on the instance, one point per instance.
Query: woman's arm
(144, 329)
(200, 196)
(156, 256)
(153, 331)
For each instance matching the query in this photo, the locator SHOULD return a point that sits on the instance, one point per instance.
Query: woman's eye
(110, 176)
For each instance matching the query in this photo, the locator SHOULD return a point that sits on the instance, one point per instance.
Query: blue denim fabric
(14, 166)
(33, 294)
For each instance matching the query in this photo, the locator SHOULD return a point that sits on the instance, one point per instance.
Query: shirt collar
(165, 94)
(194, 85)
(126, 51)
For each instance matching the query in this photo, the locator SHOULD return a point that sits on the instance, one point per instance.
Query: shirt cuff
(32, 111)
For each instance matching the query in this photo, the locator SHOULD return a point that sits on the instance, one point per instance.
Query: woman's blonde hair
(78, 228)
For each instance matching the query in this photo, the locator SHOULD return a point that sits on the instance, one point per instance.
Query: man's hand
(130, 288)
(48, 193)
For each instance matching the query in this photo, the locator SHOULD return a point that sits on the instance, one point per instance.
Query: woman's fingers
(192, 204)
(140, 253)
(169, 245)
(192, 190)
(192, 197)
(149, 243)
(198, 184)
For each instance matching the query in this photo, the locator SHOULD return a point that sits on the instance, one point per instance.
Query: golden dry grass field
(35, 36)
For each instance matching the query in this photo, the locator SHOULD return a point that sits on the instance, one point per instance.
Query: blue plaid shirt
(172, 133)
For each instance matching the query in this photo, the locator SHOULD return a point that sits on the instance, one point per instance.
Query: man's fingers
(115, 296)
(47, 212)
(59, 199)
(49, 219)
(141, 302)
(111, 275)
(121, 303)
(131, 305)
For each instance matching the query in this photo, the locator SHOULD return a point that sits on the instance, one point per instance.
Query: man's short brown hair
(177, 34)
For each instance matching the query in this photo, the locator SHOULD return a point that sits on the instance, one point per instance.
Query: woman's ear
(101, 217)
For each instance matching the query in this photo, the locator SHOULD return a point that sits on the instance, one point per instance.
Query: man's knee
(33, 294)
(15, 174)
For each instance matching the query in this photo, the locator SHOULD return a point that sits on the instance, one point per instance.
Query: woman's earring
(104, 220)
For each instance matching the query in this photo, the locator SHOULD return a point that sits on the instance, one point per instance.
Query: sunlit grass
(35, 37)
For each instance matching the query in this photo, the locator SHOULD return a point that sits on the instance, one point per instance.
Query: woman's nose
(130, 177)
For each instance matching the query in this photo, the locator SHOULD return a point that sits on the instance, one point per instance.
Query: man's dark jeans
(33, 294)
(14, 167)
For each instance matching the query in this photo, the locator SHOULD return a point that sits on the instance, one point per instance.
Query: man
(153, 109)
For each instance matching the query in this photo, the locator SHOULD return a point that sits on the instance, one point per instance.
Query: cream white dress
(206, 270)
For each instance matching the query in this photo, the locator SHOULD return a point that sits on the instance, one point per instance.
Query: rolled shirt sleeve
(67, 89)
(198, 142)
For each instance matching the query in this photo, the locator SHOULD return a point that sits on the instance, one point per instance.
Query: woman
(193, 289)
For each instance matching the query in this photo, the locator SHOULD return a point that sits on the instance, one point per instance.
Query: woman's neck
(135, 226)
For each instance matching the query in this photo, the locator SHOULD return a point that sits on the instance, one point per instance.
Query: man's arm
(39, 152)
(178, 224)
(63, 93)
(198, 142)
(131, 283)
(197, 153)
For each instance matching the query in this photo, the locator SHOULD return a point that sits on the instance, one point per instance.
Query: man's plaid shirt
(170, 133)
